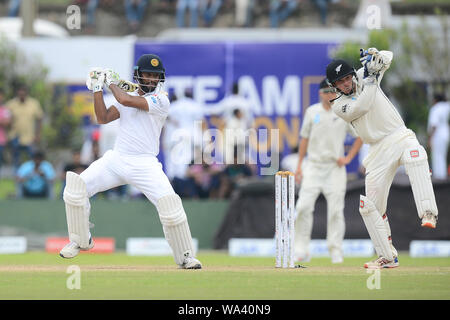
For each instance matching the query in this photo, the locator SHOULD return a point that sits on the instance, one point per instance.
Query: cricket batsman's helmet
(338, 69)
(149, 63)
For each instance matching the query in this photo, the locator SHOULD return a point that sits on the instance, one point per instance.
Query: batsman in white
(133, 161)
(375, 119)
(322, 135)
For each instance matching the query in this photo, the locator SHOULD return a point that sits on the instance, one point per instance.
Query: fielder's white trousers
(330, 180)
(439, 150)
(114, 169)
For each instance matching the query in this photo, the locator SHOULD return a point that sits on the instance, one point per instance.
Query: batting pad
(77, 209)
(376, 227)
(175, 226)
(416, 165)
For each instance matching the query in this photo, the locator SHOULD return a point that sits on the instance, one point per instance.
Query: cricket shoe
(190, 262)
(429, 220)
(381, 263)
(72, 249)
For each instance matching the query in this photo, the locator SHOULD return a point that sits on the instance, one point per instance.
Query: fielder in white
(363, 104)
(439, 136)
(322, 135)
(133, 161)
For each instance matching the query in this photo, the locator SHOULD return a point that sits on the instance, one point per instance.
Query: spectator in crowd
(438, 136)
(35, 178)
(26, 124)
(5, 119)
(280, 10)
(75, 166)
(182, 6)
(232, 175)
(14, 8)
(91, 9)
(210, 9)
(322, 6)
(205, 180)
(244, 12)
(135, 10)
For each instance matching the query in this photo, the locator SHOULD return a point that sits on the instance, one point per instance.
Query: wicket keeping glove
(111, 77)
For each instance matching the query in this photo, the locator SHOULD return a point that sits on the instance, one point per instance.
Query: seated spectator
(322, 6)
(244, 13)
(182, 6)
(35, 178)
(14, 8)
(210, 10)
(232, 175)
(205, 180)
(280, 10)
(91, 9)
(135, 10)
(5, 119)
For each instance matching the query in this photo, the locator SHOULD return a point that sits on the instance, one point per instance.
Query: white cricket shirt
(139, 130)
(369, 111)
(326, 134)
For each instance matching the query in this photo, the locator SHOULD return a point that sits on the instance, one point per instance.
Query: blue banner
(280, 79)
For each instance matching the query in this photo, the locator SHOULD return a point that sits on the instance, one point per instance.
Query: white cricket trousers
(115, 169)
(439, 150)
(381, 163)
(330, 180)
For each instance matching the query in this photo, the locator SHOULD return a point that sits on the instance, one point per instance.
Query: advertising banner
(280, 80)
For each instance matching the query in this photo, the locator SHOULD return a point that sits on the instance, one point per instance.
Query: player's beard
(149, 87)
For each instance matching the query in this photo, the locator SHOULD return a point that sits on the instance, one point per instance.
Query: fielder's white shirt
(139, 130)
(438, 118)
(369, 111)
(326, 134)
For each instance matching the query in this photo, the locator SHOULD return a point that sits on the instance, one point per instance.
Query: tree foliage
(60, 128)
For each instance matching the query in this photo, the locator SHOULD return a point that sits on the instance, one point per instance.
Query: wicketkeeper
(362, 103)
(322, 135)
(133, 160)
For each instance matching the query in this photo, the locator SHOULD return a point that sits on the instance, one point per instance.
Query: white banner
(425, 248)
(70, 59)
(318, 248)
(152, 247)
(10, 245)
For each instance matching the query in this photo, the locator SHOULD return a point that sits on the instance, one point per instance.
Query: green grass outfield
(38, 275)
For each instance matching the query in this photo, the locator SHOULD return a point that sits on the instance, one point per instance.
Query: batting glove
(111, 77)
(372, 61)
(95, 80)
